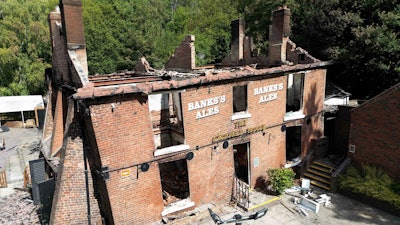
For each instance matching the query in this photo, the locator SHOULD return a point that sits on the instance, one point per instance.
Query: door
(241, 154)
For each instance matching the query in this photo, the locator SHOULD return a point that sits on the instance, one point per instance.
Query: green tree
(361, 37)
(24, 46)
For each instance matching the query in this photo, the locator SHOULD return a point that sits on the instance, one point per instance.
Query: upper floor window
(239, 98)
(294, 101)
(240, 103)
(295, 92)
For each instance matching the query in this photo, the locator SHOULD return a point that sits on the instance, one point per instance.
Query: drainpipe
(86, 172)
(87, 185)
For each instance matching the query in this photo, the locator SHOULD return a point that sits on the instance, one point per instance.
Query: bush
(281, 178)
(372, 182)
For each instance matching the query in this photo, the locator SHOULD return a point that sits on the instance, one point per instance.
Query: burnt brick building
(134, 146)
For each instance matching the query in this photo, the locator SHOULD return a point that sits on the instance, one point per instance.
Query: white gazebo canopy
(20, 104)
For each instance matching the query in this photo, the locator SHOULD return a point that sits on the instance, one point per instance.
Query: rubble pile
(18, 208)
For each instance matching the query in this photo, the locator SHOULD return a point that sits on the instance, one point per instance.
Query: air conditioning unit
(352, 148)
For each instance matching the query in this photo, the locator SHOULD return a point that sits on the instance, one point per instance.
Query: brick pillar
(69, 202)
(278, 33)
(71, 11)
(58, 124)
(237, 35)
(184, 56)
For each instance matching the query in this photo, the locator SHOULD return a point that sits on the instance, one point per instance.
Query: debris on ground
(18, 208)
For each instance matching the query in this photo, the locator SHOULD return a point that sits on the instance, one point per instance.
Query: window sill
(293, 115)
(177, 206)
(171, 149)
(240, 115)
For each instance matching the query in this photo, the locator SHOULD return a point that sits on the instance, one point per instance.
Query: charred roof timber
(181, 71)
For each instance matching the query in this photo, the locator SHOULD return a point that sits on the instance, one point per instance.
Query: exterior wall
(374, 131)
(314, 94)
(124, 137)
(60, 58)
(69, 201)
(184, 55)
(58, 126)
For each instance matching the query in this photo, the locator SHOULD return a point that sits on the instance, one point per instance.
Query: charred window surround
(166, 117)
(240, 102)
(294, 102)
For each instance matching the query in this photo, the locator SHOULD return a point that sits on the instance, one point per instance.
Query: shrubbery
(372, 182)
(281, 178)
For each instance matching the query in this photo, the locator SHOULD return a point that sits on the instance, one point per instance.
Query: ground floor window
(174, 181)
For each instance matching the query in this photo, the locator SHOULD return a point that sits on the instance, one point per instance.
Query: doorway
(174, 181)
(241, 155)
(293, 142)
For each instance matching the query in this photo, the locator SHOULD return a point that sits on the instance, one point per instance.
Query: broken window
(295, 88)
(166, 117)
(174, 181)
(239, 98)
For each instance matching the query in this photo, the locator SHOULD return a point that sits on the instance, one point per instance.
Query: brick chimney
(71, 11)
(278, 35)
(184, 57)
(237, 34)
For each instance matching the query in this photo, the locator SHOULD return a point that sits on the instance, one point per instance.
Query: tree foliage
(24, 46)
(360, 36)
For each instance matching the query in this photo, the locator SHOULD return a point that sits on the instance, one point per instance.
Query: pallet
(3, 179)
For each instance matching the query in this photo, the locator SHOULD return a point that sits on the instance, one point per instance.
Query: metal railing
(241, 192)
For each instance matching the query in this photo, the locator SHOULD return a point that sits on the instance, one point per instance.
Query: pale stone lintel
(171, 149)
(177, 206)
(293, 115)
(240, 115)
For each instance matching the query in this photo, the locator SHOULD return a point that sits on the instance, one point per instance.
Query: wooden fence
(3, 179)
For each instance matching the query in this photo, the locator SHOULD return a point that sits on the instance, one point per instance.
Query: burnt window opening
(174, 181)
(295, 92)
(302, 56)
(293, 142)
(166, 118)
(239, 98)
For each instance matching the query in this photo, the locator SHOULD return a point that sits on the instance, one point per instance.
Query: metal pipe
(86, 182)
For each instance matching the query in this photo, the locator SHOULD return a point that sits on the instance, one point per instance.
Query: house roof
(334, 91)
(173, 80)
(20, 103)
(395, 87)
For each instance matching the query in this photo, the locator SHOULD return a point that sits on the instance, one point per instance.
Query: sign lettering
(206, 107)
(268, 93)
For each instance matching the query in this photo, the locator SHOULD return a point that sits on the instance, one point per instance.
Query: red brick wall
(124, 137)
(374, 131)
(69, 201)
(60, 58)
(73, 23)
(58, 126)
(314, 95)
(270, 147)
